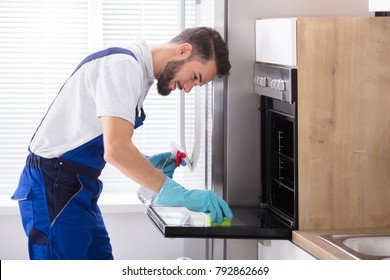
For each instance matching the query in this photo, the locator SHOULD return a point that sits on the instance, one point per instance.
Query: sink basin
(361, 246)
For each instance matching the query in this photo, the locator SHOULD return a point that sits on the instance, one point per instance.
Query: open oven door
(247, 223)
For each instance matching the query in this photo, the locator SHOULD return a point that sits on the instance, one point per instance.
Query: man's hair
(207, 44)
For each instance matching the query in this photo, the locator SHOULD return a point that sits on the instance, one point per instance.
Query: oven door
(247, 223)
(279, 160)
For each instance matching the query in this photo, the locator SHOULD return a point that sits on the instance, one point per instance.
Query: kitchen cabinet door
(343, 122)
(281, 250)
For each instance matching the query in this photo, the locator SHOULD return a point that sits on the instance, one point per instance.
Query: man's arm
(120, 151)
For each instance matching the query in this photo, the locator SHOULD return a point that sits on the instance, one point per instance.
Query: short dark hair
(207, 44)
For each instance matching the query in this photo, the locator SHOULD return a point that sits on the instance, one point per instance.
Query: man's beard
(167, 76)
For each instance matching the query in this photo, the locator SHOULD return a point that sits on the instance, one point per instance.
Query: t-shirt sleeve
(118, 88)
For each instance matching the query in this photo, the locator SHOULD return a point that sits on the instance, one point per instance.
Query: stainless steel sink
(361, 246)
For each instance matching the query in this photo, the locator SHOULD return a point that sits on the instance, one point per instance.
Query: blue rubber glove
(173, 194)
(166, 160)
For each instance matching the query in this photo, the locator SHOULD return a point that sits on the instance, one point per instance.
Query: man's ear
(184, 49)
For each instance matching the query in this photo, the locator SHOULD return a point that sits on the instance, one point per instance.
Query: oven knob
(263, 82)
(257, 80)
(274, 84)
(281, 85)
(278, 85)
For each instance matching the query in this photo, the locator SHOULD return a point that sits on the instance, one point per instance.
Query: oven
(277, 87)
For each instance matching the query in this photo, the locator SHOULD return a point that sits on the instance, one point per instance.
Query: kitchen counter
(311, 243)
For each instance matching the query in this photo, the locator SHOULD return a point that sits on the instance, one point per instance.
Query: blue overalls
(58, 198)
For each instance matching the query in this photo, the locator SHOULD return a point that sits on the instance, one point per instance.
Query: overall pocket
(22, 195)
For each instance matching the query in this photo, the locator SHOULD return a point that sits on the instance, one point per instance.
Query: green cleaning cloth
(226, 222)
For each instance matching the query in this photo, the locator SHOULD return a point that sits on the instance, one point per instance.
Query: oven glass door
(279, 161)
(281, 156)
(247, 223)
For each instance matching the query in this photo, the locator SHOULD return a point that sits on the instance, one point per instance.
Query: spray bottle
(146, 196)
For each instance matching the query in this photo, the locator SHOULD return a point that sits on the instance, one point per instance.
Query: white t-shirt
(112, 85)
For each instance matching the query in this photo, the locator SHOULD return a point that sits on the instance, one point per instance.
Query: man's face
(185, 74)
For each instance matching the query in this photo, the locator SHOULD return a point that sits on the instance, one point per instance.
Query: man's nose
(188, 86)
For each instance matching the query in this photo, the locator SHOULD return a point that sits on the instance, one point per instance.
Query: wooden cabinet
(343, 122)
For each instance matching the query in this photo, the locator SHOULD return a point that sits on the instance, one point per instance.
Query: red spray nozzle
(179, 156)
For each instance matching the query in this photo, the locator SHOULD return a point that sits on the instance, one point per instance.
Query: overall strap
(96, 55)
(103, 53)
(139, 118)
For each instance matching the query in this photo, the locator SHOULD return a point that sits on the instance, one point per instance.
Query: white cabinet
(276, 41)
(378, 5)
(281, 250)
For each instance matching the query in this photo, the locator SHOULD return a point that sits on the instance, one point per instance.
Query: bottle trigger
(179, 156)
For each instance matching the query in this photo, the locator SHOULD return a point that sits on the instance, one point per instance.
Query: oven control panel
(275, 84)
(276, 81)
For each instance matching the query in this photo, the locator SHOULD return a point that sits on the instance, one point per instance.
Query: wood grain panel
(344, 124)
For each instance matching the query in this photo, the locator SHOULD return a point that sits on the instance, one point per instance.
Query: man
(91, 122)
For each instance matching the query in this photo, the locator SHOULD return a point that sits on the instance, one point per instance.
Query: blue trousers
(58, 205)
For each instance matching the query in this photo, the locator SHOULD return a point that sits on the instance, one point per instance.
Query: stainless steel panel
(218, 114)
(276, 82)
(242, 143)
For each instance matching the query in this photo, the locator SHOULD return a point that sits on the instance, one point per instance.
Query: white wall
(134, 237)
(13, 242)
